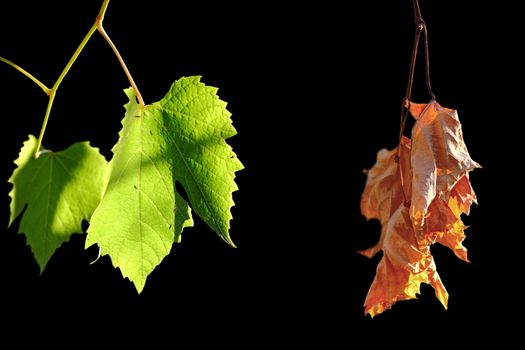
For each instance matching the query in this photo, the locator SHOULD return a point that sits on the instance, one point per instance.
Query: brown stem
(427, 65)
(101, 30)
(420, 26)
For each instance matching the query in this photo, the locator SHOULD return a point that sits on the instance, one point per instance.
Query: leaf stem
(102, 32)
(405, 104)
(74, 57)
(44, 124)
(55, 87)
(27, 74)
(103, 9)
(51, 92)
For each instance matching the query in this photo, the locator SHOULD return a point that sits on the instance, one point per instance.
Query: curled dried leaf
(464, 196)
(387, 187)
(404, 266)
(439, 157)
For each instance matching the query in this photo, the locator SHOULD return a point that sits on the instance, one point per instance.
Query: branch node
(98, 21)
(420, 24)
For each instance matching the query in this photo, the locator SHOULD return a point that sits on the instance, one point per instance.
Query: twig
(27, 74)
(420, 26)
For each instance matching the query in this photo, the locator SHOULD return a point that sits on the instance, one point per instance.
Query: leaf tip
(228, 240)
(139, 285)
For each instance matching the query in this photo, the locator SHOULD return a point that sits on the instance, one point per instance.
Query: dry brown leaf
(385, 190)
(453, 238)
(439, 157)
(439, 218)
(404, 266)
(461, 198)
(464, 196)
(443, 225)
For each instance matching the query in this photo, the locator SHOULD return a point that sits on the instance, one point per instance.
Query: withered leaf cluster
(418, 192)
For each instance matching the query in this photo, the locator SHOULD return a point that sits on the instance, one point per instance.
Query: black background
(315, 92)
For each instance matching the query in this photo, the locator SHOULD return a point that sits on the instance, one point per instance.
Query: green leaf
(194, 124)
(180, 138)
(60, 190)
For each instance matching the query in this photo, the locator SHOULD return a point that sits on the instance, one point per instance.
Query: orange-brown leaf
(439, 157)
(383, 192)
(461, 198)
(443, 225)
(387, 187)
(404, 266)
(464, 196)
(453, 238)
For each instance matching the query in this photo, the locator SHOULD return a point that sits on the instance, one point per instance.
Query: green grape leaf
(178, 139)
(60, 190)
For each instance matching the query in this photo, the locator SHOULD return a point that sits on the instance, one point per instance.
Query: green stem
(74, 57)
(54, 89)
(27, 74)
(44, 124)
(52, 92)
(103, 9)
